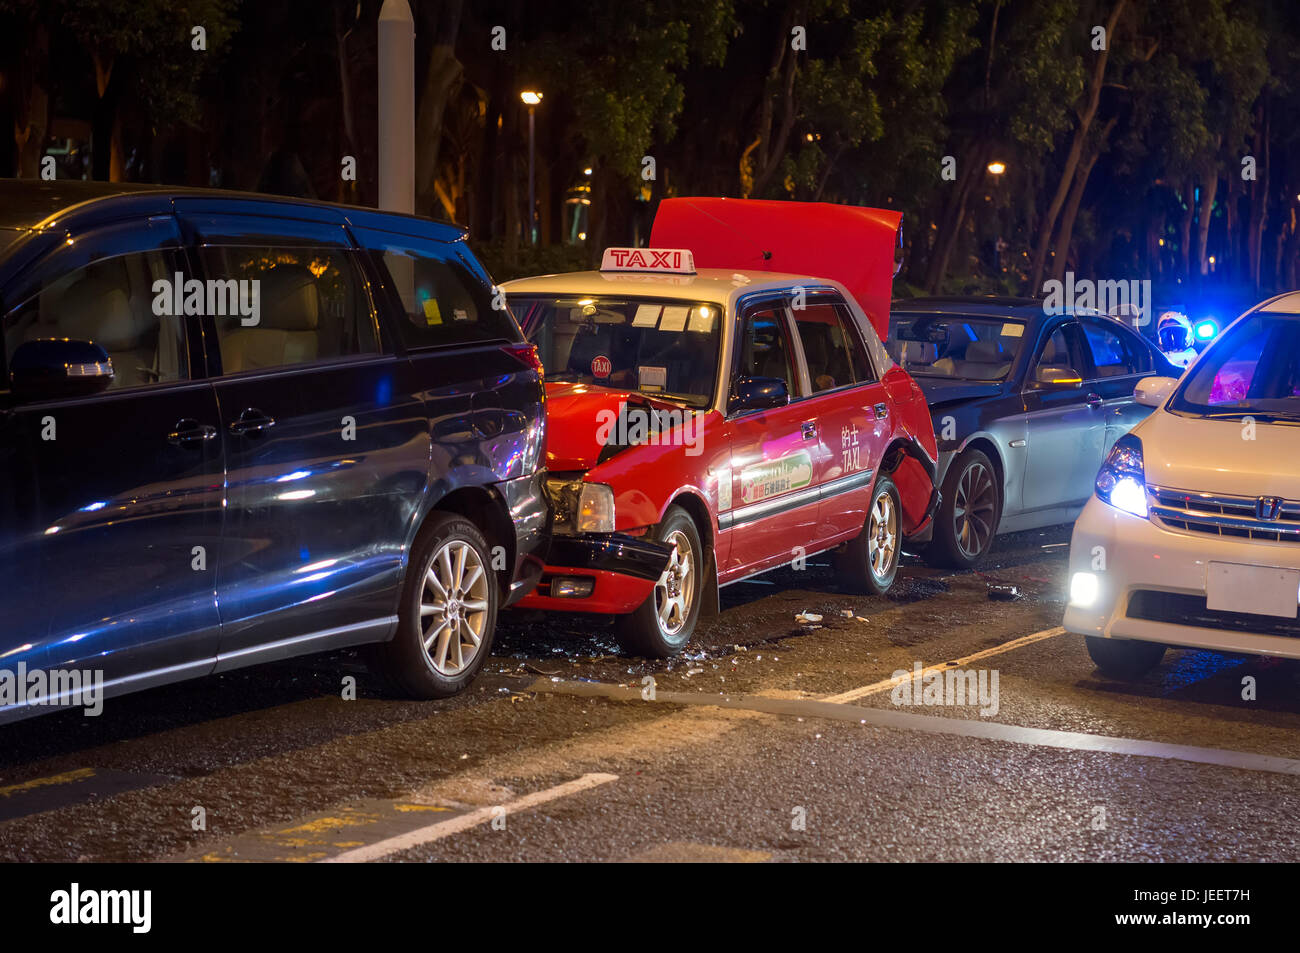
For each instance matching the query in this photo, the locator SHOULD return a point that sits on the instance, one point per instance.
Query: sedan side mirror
(59, 367)
(758, 393)
(1056, 377)
(1154, 391)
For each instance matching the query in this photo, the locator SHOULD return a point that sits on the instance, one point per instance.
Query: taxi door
(777, 456)
(851, 408)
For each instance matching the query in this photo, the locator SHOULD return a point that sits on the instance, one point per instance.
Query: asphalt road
(771, 740)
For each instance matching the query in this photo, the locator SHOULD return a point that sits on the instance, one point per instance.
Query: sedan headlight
(1122, 481)
(581, 507)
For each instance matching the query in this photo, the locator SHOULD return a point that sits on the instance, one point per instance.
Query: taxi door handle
(882, 411)
(1094, 400)
(809, 428)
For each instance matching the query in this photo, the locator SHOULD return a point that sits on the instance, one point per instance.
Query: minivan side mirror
(1154, 391)
(59, 367)
(758, 393)
(1056, 377)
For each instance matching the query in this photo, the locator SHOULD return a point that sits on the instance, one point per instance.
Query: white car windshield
(665, 348)
(954, 345)
(1252, 370)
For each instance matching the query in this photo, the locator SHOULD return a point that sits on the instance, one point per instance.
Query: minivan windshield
(1252, 370)
(667, 348)
(952, 345)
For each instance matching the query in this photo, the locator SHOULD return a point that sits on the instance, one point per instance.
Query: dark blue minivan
(237, 428)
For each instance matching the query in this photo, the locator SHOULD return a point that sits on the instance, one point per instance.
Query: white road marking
(454, 825)
(889, 683)
(961, 727)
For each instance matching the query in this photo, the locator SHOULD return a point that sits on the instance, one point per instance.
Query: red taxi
(709, 423)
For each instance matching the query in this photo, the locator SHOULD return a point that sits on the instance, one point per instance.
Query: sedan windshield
(1252, 370)
(665, 348)
(956, 346)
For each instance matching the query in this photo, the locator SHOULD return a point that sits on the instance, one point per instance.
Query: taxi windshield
(954, 345)
(1252, 370)
(661, 347)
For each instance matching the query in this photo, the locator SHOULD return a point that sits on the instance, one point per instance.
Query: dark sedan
(237, 428)
(1026, 405)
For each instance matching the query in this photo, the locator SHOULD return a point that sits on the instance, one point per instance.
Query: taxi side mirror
(758, 393)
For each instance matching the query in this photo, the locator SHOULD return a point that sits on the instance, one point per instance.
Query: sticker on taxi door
(772, 478)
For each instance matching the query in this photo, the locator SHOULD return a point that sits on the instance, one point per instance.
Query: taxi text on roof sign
(674, 261)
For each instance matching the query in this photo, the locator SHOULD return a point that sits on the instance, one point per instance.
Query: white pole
(396, 107)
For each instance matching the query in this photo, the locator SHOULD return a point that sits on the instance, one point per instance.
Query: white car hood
(1214, 456)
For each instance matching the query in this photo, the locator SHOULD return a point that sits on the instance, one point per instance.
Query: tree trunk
(1185, 231)
(1209, 188)
(955, 217)
(442, 76)
(1048, 224)
(1066, 234)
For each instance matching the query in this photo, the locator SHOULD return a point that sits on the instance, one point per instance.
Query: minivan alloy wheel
(454, 607)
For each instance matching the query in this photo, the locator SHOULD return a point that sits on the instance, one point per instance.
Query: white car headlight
(1122, 480)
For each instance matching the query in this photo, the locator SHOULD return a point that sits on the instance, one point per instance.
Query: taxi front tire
(662, 625)
(869, 563)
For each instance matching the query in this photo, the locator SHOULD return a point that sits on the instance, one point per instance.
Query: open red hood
(850, 244)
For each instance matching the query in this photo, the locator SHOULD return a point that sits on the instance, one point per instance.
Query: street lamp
(997, 168)
(530, 99)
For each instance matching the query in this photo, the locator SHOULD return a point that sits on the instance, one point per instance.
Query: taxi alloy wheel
(447, 615)
(869, 563)
(662, 625)
(882, 536)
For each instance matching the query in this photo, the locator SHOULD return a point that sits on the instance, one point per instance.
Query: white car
(1192, 537)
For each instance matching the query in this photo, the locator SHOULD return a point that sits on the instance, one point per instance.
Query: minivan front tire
(1126, 659)
(447, 615)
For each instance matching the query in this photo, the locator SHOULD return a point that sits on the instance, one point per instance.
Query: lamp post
(995, 169)
(396, 107)
(531, 98)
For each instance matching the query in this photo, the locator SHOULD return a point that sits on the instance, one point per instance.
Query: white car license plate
(1258, 590)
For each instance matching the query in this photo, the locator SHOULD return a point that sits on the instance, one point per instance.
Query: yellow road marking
(66, 778)
(889, 683)
(454, 825)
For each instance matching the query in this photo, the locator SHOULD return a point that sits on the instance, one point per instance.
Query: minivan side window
(277, 306)
(443, 300)
(110, 302)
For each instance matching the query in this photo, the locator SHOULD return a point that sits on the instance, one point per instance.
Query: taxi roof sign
(668, 261)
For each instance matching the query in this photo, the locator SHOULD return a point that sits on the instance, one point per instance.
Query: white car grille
(1238, 517)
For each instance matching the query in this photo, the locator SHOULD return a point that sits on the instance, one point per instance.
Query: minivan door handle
(190, 433)
(251, 421)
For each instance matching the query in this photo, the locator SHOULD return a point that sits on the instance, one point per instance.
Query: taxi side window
(831, 349)
(764, 351)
